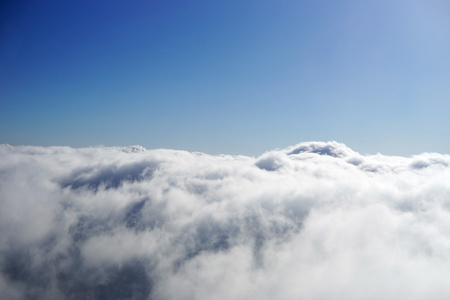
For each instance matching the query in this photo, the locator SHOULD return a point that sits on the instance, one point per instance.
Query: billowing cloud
(313, 221)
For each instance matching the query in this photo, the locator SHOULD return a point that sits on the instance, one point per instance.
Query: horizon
(138, 148)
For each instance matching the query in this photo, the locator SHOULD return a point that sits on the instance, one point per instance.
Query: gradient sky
(234, 77)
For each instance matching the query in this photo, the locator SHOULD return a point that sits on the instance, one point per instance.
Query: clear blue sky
(235, 77)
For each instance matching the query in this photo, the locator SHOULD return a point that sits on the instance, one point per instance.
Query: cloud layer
(313, 221)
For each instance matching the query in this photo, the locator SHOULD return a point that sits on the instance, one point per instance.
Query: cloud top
(313, 221)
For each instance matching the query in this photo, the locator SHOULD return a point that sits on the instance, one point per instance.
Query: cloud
(314, 221)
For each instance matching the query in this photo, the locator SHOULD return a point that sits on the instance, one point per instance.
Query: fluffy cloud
(313, 221)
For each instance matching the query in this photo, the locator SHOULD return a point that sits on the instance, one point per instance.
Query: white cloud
(313, 221)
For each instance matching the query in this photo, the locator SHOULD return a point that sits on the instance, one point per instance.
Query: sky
(234, 77)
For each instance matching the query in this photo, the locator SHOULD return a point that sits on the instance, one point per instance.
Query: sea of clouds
(313, 221)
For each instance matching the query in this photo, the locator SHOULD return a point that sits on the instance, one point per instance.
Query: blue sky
(235, 77)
